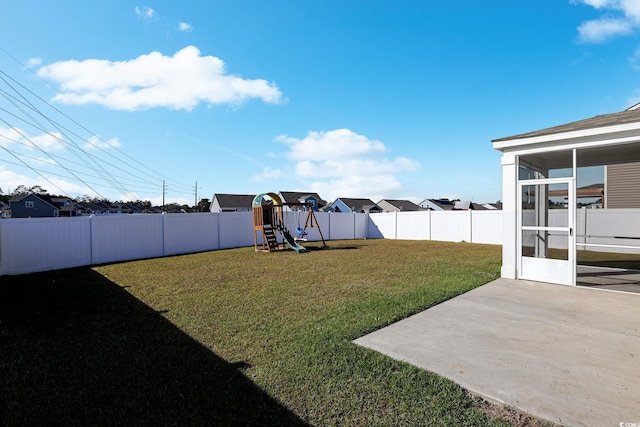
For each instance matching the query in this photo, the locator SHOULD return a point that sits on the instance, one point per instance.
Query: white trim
(602, 245)
(564, 136)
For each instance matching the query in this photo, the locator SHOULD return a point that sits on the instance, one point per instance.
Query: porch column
(509, 215)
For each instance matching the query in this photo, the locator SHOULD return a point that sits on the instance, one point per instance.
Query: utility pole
(195, 204)
(164, 190)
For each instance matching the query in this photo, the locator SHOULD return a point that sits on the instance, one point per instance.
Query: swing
(302, 232)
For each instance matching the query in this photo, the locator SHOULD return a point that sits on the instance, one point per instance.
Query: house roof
(444, 204)
(241, 201)
(403, 205)
(44, 197)
(631, 115)
(358, 205)
(593, 190)
(296, 196)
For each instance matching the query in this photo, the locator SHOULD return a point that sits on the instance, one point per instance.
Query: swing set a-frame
(269, 219)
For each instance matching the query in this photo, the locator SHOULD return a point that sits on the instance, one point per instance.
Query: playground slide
(290, 241)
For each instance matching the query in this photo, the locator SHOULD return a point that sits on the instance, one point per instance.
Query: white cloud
(145, 13)
(607, 27)
(179, 82)
(54, 185)
(342, 163)
(600, 30)
(268, 173)
(183, 26)
(335, 144)
(51, 141)
(33, 62)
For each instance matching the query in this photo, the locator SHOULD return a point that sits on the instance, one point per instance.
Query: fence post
(395, 225)
(470, 225)
(91, 239)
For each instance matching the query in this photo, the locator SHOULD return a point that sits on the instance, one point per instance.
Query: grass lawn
(235, 337)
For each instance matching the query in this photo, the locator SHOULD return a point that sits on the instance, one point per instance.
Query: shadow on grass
(77, 349)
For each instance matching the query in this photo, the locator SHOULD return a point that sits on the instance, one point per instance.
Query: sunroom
(571, 203)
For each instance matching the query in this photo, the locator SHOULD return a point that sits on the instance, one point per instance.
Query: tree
(203, 205)
(23, 189)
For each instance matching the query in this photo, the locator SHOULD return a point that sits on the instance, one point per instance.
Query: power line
(99, 167)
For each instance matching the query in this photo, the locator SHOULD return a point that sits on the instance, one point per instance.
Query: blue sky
(375, 99)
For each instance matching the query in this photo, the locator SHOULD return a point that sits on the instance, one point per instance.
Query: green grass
(234, 337)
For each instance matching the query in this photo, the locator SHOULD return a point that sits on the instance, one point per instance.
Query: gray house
(231, 203)
(344, 204)
(391, 205)
(33, 206)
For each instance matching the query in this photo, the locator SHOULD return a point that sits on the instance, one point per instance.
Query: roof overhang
(597, 146)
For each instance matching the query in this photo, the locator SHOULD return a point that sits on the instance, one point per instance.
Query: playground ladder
(270, 236)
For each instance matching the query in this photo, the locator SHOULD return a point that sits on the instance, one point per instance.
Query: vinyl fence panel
(193, 232)
(451, 226)
(610, 227)
(361, 226)
(342, 226)
(413, 225)
(235, 229)
(486, 227)
(41, 244)
(127, 237)
(385, 225)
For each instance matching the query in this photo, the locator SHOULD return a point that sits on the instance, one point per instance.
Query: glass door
(546, 244)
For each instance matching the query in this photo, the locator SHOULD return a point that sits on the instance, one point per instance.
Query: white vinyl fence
(449, 226)
(41, 244)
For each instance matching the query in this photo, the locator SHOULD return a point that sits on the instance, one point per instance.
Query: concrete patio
(568, 355)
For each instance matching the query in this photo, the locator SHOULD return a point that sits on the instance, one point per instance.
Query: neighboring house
(301, 197)
(67, 206)
(231, 203)
(33, 206)
(390, 205)
(5, 212)
(437, 204)
(89, 208)
(346, 205)
(622, 185)
(467, 205)
(493, 206)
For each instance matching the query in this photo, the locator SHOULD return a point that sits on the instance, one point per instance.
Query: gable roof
(358, 205)
(296, 196)
(44, 197)
(403, 205)
(238, 201)
(632, 115)
(444, 204)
